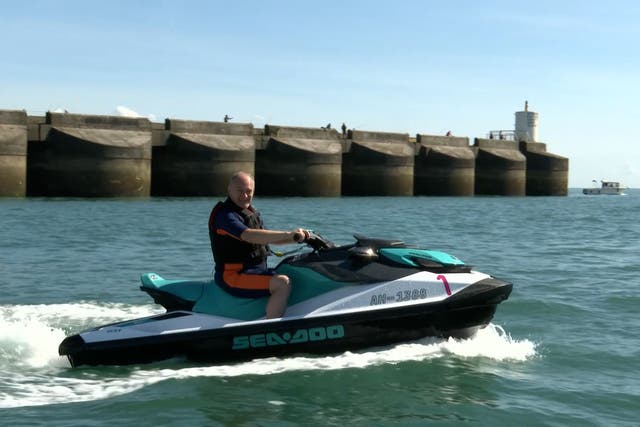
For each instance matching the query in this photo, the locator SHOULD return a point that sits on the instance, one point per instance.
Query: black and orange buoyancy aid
(230, 250)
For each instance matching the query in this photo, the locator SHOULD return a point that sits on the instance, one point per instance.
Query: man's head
(241, 186)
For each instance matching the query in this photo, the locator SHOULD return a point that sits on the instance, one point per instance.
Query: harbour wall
(76, 155)
(13, 153)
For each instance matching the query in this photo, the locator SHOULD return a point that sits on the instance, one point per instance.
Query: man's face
(241, 191)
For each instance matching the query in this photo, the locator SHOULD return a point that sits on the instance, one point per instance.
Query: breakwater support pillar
(500, 168)
(197, 158)
(90, 156)
(378, 164)
(299, 161)
(445, 166)
(547, 173)
(13, 153)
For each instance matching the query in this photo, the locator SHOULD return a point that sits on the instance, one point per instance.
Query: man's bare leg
(280, 289)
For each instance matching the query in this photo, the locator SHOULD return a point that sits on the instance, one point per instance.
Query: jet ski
(369, 293)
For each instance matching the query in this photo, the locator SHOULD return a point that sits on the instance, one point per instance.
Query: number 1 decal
(446, 284)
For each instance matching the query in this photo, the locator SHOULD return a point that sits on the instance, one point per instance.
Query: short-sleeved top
(230, 222)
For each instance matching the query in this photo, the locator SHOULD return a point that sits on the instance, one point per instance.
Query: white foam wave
(491, 342)
(33, 391)
(494, 343)
(30, 334)
(83, 311)
(29, 343)
(29, 337)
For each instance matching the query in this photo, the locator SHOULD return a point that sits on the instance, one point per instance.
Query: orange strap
(233, 278)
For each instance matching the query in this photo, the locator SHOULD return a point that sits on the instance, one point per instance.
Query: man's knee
(279, 283)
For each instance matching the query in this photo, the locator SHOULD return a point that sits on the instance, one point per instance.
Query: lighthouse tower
(526, 125)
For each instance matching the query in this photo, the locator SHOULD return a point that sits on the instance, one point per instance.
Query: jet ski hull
(189, 335)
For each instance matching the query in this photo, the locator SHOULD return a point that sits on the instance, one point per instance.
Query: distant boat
(607, 187)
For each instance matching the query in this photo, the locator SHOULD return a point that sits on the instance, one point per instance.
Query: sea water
(562, 350)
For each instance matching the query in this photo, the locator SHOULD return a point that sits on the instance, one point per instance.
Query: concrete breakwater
(76, 155)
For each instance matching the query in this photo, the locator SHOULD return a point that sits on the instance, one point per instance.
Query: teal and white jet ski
(372, 292)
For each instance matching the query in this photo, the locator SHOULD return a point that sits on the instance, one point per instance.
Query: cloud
(123, 111)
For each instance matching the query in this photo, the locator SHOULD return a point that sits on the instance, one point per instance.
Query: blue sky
(403, 66)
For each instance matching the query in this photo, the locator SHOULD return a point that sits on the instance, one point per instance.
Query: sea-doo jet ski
(373, 292)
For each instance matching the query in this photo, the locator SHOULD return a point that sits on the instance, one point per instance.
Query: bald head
(240, 177)
(241, 186)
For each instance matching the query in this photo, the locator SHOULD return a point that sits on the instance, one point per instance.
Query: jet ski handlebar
(316, 242)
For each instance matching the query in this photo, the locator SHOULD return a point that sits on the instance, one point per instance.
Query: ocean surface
(564, 350)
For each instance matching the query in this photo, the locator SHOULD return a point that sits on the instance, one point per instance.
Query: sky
(394, 66)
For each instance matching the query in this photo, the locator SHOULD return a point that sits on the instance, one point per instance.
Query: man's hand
(300, 235)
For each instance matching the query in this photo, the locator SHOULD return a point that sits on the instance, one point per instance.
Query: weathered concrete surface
(91, 156)
(83, 155)
(445, 166)
(199, 157)
(500, 168)
(444, 141)
(34, 123)
(378, 164)
(533, 147)
(299, 161)
(13, 153)
(547, 173)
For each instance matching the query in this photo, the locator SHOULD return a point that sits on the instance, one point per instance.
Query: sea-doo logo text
(244, 342)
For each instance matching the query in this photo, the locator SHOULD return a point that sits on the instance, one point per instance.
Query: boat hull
(598, 192)
(607, 188)
(459, 316)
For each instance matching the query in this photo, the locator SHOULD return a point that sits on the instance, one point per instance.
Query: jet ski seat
(376, 244)
(201, 297)
(208, 298)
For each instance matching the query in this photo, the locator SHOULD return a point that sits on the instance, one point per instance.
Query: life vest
(230, 250)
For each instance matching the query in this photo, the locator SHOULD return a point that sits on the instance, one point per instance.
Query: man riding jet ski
(240, 246)
(368, 293)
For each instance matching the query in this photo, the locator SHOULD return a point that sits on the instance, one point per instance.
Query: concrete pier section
(378, 164)
(444, 166)
(547, 173)
(500, 168)
(13, 153)
(90, 156)
(197, 158)
(299, 161)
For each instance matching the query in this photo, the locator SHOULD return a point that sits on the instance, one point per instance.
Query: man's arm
(265, 237)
